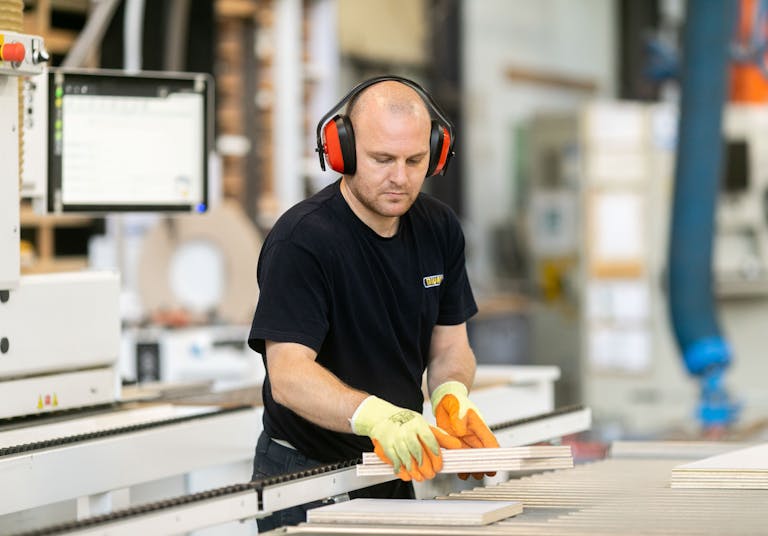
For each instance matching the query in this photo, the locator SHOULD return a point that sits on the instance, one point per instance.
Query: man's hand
(402, 438)
(458, 415)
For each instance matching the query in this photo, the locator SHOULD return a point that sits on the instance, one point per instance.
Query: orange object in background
(748, 84)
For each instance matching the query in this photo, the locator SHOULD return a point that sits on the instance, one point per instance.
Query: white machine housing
(9, 142)
(59, 334)
(63, 338)
(59, 348)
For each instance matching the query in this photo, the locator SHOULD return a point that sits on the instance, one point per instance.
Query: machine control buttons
(21, 54)
(12, 52)
(5, 295)
(4, 345)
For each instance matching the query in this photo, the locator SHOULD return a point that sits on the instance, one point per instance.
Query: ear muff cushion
(442, 162)
(439, 143)
(340, 145)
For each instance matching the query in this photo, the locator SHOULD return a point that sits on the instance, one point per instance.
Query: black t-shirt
(366, 304)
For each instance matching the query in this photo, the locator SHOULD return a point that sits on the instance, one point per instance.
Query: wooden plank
(629, 496)
(30, 218)
(554, 80)
(492, 453)
(415, 512)
(745, 468)
(543, 464)
(531, 458)
(56, 264)
(753, 458)
(242, 9)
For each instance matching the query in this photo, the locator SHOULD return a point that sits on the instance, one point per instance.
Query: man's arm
(450, 357)
(309, 389)
(401, 437)
(450, 375)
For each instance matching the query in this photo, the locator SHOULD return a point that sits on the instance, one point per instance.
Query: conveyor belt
(178, 440)
(565, 410)
(257, 486)
(76, 438)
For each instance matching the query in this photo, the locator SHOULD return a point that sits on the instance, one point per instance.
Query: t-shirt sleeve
(293, 298)
(457, 303)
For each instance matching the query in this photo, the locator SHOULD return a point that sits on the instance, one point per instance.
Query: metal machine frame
(59, 351)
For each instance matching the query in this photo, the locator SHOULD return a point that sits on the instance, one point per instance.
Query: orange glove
(457, 415)
(402, 438)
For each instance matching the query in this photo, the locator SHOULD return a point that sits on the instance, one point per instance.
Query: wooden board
(745, 468)
(495, 453)
(628, 496)
(485, 460)
(415, 512)
(753, 458)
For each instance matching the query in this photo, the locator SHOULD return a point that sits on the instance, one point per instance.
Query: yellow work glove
(402, 438)
(458, 416)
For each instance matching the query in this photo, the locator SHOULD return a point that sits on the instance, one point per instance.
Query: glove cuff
(370, 411)
(453, 387)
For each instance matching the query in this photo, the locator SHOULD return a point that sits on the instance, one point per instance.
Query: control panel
(21, 54)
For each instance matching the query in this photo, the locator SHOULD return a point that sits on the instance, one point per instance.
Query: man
(363, 287)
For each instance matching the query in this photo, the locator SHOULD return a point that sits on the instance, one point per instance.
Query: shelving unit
(234, 66)
(37, 20)
(43, 229)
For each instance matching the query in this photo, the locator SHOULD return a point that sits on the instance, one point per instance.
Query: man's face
(392, 159)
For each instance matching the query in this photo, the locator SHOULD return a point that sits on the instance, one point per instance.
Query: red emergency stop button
(13, 52)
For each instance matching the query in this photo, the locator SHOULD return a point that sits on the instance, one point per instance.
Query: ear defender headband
(336, 138)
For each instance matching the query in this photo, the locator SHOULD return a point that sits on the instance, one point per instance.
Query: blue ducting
(706, 37)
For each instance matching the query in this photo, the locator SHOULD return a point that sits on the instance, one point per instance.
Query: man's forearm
(450, 357)
(309, 389)
(460, 368)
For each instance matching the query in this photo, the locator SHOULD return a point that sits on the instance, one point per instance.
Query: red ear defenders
(336, 138)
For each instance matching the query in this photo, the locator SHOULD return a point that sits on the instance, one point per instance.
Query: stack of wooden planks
(415, 512)
(745, 468)
(532, 458)
(621, 496)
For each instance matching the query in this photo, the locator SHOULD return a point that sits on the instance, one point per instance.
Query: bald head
(389, 96)
(392, 126)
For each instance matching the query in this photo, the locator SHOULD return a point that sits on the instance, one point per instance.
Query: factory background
(566, 181)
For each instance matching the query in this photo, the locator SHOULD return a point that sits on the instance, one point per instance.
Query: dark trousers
(273, 459)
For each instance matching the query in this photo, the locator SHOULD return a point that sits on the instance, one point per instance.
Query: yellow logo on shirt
(433, 280)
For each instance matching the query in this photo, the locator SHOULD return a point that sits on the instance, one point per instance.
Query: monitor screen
(121, 142)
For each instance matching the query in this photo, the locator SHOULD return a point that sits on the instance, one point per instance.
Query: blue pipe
(706, 39)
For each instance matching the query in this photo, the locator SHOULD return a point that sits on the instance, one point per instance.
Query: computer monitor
(128, 143)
